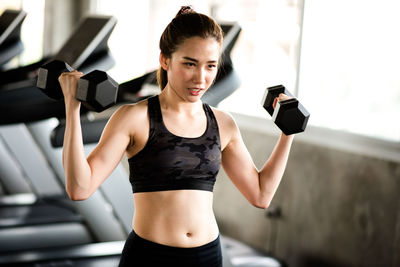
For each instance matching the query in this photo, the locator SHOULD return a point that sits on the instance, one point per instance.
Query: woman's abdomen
(181, 218)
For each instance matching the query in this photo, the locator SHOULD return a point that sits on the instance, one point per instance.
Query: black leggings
(140, 252)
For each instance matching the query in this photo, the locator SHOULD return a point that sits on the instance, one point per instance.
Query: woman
(175, 145)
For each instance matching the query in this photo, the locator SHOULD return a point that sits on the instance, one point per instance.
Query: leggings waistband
(142, 252)
(146, 242)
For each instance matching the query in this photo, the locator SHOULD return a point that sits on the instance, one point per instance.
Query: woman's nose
(200, 75)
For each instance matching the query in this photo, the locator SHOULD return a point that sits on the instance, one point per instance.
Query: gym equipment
(86, 50)
(46, 214)
(104, 254)
(96, 90)
(289, 115)
(87, 44)
(52, 218)
(22, 224)
(10, 30)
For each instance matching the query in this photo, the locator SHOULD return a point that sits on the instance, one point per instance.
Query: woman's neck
(169, 100)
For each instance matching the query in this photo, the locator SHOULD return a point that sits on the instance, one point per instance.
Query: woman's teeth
(194, 91)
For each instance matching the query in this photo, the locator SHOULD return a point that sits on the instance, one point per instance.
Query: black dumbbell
(289, 115)
(96, 90)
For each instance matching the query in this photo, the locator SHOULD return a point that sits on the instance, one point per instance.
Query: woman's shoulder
(133, 109)
(127, 113)
(225, 119)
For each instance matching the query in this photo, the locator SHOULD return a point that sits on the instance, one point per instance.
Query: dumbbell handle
(270, 94)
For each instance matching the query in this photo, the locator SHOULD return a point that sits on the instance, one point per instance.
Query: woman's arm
(84, 175)
(258, 186)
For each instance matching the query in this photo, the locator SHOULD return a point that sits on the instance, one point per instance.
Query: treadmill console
(89, 38)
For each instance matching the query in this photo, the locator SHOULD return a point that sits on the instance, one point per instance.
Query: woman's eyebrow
(195, 60)
(191, 59)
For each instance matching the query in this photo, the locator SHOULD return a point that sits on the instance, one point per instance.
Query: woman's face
(192, 67)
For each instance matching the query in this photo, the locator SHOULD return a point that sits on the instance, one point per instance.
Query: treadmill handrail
(231, 36)
(91, 132)
(23, 102)
(74, 252)
(21, 199)
(16, 22)
(70, 51)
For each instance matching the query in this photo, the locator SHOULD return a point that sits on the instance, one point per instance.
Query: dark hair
(186, 24)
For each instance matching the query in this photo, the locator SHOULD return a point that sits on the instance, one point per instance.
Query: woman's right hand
(281, 97)
(69, 84)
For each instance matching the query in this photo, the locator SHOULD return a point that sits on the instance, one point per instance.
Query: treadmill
(10, 35)
(26, 218)
(86, 50)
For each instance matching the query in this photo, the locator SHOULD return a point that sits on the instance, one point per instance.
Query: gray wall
(338, 208)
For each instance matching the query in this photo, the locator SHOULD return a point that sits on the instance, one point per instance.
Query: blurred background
(338, 202)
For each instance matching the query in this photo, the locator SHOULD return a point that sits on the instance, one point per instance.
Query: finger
(76, 72)
(283, 97)
(275, 101)
(64, 73)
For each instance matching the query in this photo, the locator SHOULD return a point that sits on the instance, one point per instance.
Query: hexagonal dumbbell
(289, 115)
(96, 90)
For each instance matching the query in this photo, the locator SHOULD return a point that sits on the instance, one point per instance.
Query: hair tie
(186, 10)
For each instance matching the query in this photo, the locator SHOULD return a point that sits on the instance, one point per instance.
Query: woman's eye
(189, 64)
(212, 66)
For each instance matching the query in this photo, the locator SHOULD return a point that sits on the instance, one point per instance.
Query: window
(31, 30)
(266, 53)
(129, 40)
(350, 64)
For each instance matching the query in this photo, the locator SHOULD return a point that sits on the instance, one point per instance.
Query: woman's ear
(164, 62)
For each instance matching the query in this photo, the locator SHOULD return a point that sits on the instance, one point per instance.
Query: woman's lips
(195, 91)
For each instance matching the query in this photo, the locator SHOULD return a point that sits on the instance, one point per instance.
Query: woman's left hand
(281, 97)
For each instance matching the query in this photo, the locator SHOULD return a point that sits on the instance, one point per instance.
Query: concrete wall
(338, 208)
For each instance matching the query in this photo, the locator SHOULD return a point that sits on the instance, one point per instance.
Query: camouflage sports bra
(170, 162)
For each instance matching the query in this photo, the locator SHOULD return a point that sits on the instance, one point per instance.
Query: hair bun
(185, 10)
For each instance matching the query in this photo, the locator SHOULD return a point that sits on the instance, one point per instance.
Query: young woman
(175, 145)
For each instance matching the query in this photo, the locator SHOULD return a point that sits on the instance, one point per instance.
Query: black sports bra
(170, 162)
